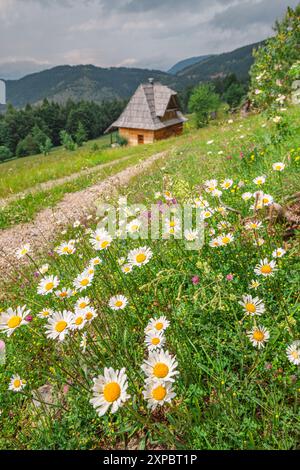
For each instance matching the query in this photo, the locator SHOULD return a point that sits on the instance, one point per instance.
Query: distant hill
(83, 82)
(238, 62)
(186, 63)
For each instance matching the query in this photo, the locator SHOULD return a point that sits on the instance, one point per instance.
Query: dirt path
(66, 179)
(42, 230)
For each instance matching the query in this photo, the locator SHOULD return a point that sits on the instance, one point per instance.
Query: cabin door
(140, 139)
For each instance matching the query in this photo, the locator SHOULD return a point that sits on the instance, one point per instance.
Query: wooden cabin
(151, 114)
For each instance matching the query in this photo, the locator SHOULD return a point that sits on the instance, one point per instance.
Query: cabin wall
(167, 132)
(132, 135)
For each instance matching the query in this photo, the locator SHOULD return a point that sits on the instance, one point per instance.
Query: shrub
(203, 102)
(5, 153)
(67, 141)
(122, 141)
(46, 148)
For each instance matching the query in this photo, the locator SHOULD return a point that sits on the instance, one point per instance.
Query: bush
(203, 102)
(45, 148)
(5, 153)
(81, 135)
(122, 141)
(67, 141)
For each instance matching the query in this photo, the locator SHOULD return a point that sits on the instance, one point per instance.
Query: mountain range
(87, 82)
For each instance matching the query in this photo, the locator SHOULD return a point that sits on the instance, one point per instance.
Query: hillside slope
(182, 64)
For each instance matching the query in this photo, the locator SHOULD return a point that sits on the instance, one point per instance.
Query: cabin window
(140, 139)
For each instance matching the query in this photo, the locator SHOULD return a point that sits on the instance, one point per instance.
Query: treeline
(36, 129)
(230, 90)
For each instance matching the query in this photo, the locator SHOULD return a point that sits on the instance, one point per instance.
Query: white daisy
(259, 180)
(265, 268)
(226, 184)
(223, 224)
(126, 268)
(168, 195)
(16, 384)
(157, 394)
(259, 242)
(11, 319)
(134, 226)
(160, 365)
(200, 202)
(21, 252)
(190, 235)
(267, 199)
(246, 196)
(214, 242)
(47, 285)
(45, 313)
(140, 256)
(207, 214)
(216, 193)
(156, 325)
(64, 293)
(66, 248)
(79, 320)
(254, 284)
(210, 185)
(225, 239)
(83, 281)
(154, 340)
(258, 336)
(252, 305)
(293, 353)
(58, 325)
(110, 390)
(253, 225)
(278, 253)
(172, 226)
(83, 342)
(118, 302)
(278, 166)
(82, 303)
(89, 314)
(100, 239)
(95, 261)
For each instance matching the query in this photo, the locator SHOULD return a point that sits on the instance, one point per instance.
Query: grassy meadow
(197, 339)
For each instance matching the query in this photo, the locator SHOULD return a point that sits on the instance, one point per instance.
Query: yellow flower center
(155, 341)
(89, 316)
(78, 321)
(159, 393)
(13, 322)
(112, 391)
(49, 286)
(17, 383)
(119, 303)
(295, 354)
(250, 308)
(45, 313)
(160, 370)
(83, 305)
(140, 258)
(266, 269)
(225, 240)
(61, 326)
(104, 244)
(63, 294)
(84, 282)
(159, 326)
(172, 224)
(258, 335)
(66, 249)
(134, 228)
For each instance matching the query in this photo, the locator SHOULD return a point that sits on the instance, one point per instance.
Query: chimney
(151, 81)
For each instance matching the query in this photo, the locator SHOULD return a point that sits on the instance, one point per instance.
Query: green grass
(230, 395)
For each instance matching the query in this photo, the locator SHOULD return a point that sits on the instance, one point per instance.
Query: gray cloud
(145, 33)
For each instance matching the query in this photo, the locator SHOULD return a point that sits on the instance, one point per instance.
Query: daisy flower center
(119, 303)
(13, 322)
(225, 240)
(140, 258)
(160, 370)
(258, 335)
(63, 294)
(155, 341)
(104, 244)
(84, 282)
(159, 326)
(83, 305)
(17, 383)
(266, 269)
(49, 286)
(89, 316)
(112, 391)
(159, 393)
(250, 308)
(78, 321)
(295, 354)
(61, 326)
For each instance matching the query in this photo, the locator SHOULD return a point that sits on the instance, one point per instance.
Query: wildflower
(95, 261)
(46, 312)
(259, 180)
(100, 239)
(21, 252)
(278, 253)
(168, 195)
(225, 239)
(140, 256)
(259, 242)
(267, 199)
(195, 280)
(64, 293)
(214, 243)
(190, 235)
(47, 285)
(254, 284)
(210, 185)
(226, 184)
(126, 268)
(118, 302)
(229, 277)
(161, 366)
(207, 213)
(154, 340)
(79, 320)
(278, 166)
(82, 303)
(134, 226)
(293, 353)
(216, 193)
(43, 269)
(83, 281)
(246, 196)
(252, 305)
(200, 202)
(172, 226)
(13, 319)
(58, 325)
(16, 384)
(157, 324)
(110, 390)
(258, 336)
(253, 225)
(277, 119)
(224, 224)
(157, 394)
(66, 248)
(265, 268)
(83, 342)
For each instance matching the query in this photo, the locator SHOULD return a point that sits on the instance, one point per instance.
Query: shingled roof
(148, 104)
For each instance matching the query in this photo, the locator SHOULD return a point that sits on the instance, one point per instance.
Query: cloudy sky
(139, 33)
